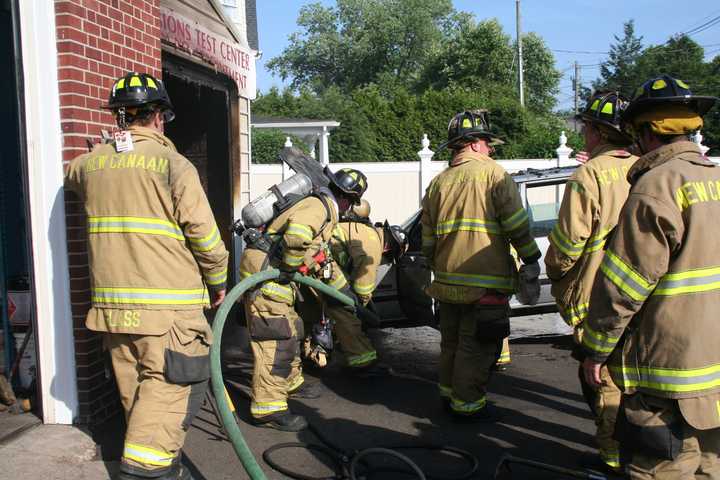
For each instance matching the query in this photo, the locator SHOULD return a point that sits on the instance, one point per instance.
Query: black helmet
(395, 240)
(135, 90)
(351, 182)
(467, 126)
(605, 108)
(665, 90)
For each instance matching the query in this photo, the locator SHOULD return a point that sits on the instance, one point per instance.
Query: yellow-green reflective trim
(300, 230)
(266, 408)
(563, 243)
(610, 457)
(504, 357)
(292, 260)
(445, 391)
(574, 315)
(150, 296)
(216, 278)
(339, 234)
(135, 82)
(691, 281)
(466, 225)
(147, 455)
(624, 277)
(595, 105)
(475, 280)
(659, 84)
(461, 406)
(529, 249)
(299, 380)
(120, 84)
(130, 224)
(364, 288)
(206, 243)
(607, 108)
(338, 282)
(597, 341)
(668, 380)
(275, 290)
(363, 359)
(515, 221)
(150, 83)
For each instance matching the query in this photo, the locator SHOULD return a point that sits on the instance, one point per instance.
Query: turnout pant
(162, 380)
(357, 347)
(605, 404)
(663, 446)
(275, 333)
(471, 341)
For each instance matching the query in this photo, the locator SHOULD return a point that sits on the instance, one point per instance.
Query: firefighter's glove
(529, 289)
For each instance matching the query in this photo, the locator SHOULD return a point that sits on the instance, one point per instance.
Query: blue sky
(578, 25)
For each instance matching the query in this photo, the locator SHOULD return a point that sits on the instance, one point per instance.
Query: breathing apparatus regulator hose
(348, 463)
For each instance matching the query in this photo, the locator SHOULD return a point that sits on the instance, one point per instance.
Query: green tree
(358, 41)
(267, 143)
(619, 71)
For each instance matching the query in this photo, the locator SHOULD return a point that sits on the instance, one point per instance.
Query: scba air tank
(262, 209)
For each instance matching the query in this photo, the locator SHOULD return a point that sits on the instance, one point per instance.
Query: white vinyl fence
(395, 189)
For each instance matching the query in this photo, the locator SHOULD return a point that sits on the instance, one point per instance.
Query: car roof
(531, 174)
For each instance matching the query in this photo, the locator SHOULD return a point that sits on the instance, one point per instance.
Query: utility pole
(577, 87)
(521, 82)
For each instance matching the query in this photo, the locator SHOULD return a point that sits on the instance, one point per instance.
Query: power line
(703, 27)
(582, 52)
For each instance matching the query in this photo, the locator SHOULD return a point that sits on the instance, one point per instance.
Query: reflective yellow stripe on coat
(149, 296)
(625, 277)
(128, 224)
(668, 380)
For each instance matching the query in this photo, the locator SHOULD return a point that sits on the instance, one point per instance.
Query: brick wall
(97, 42)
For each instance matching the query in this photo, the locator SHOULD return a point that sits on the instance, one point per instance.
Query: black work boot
(178, 471)
(307, 390)
(284, 421)
(487, 414)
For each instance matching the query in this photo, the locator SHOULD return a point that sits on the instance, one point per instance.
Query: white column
(324, 147)
(286, 170)
(698, 138)
(563, 151)
(51, 280)
(426, 173)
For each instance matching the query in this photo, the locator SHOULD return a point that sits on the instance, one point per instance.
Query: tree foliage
(392, 70)
(267, 143)
(629, 65)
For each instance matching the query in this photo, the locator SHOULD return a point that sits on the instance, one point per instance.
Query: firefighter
(472, 213)
(653, 310)
(156, 260)
(358, 247)
(593, 197)
(300, 237)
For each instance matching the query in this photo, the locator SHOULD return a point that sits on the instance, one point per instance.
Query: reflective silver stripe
(466, 225)
(670, 380)
(160, 296)
(470, 280)
(515, 220)
(692, 281)
(206, 243)
(624, 277)
(122, 224)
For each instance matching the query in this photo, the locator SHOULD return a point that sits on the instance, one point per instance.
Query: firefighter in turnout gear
(300, 239)
(357, 246)
(472, 213)
(156, 260)
(653, 310)
(594, 196)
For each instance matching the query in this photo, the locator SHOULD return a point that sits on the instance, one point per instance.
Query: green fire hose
(218, 384)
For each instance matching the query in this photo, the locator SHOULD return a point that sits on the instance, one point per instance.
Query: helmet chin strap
(122, 121)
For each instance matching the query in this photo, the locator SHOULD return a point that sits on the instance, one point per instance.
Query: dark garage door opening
(201, 132)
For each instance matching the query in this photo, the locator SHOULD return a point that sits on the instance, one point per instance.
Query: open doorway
(19, 407)
(201, 132)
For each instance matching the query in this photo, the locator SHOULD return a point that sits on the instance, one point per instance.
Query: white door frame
(51, 280)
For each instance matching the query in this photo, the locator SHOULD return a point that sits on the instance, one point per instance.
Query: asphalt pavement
(544, 416)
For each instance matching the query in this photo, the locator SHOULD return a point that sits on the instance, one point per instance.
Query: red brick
(74, 127)
(67, 20)
(71, 60)
(64, 6)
